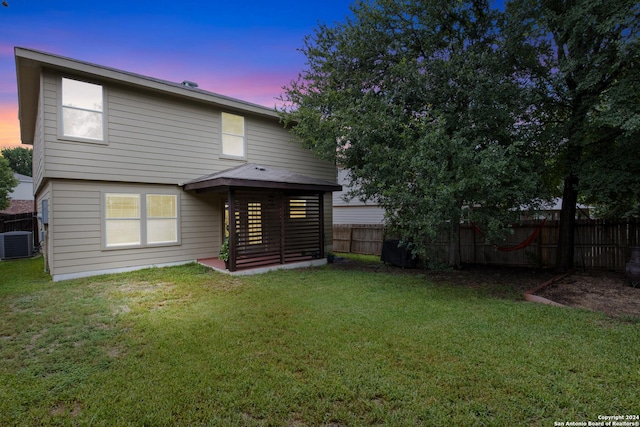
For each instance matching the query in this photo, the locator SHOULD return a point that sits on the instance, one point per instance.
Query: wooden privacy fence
(358, 239)
(598, 244)
(21, 222)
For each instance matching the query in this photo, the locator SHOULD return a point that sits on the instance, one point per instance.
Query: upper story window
(82, 110)
(233, 142)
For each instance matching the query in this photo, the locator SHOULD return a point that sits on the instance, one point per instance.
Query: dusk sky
(245, 49)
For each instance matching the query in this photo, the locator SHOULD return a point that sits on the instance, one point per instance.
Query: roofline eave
(219, 184)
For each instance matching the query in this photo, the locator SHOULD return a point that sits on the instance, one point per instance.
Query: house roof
(19, 207)
(22, 178)
(251, 175)
(29, 65)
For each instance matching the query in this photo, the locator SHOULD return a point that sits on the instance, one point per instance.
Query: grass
(187, 346)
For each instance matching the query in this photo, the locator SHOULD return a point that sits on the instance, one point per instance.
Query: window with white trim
(162, 218)
(233, 141)
(122, 220)
(82, 110)
(140, 219)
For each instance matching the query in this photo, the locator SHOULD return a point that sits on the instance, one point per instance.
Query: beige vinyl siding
(44, 193)
(155, 141)
(151, 139)
(271, 144)
(38, 145)
(159, 139)
(358, 215)
(338, 196)
(76, 237)
(354, 211)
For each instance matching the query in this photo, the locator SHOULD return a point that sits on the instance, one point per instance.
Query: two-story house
(131, 171)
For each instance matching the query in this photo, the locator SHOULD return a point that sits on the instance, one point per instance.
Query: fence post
(350, 237)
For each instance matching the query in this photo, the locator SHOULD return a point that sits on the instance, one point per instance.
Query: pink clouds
(260, 88)
(6, 50)
(233, 77)
(9, 126)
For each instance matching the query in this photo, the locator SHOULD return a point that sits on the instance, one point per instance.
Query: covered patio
(273, 217)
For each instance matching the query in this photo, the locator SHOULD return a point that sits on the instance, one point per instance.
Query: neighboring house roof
(29, 64)
(23, 178)
(251, 175)
(19, 207)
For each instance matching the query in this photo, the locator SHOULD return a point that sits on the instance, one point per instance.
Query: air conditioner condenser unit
(16, 244)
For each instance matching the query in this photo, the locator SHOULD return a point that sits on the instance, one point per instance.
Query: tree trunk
(454, 244)
(566, 237)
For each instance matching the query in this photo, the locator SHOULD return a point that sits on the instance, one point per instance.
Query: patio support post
(283, 223)
(321, 228)
(232, 229)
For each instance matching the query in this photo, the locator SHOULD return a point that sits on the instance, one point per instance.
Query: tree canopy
(7, 183)
(418, 101)
(20, 159)
(451, 110)
(583, 63)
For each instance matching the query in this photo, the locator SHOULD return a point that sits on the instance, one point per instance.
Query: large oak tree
(582, 60)
(420, 102)
(20, 159)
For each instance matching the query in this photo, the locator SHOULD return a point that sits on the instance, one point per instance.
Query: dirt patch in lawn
(602, 291)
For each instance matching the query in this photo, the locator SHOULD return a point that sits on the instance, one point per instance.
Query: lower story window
(139, 219)
(162, 218)
(122, 219)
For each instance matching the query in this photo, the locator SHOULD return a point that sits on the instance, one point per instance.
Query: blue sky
(243, 49)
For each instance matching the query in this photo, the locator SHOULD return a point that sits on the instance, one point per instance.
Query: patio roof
(251, 175)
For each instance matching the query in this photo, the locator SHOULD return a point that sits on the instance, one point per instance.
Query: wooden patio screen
(275, 227)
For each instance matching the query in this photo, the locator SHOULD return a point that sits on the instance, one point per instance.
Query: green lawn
(187, 346)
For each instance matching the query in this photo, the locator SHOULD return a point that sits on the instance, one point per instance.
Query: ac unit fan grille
(16, 245)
